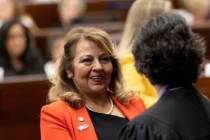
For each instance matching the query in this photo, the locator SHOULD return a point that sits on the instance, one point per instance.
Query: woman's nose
(97, 65)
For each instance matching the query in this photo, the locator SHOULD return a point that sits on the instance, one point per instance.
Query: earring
(69, 74)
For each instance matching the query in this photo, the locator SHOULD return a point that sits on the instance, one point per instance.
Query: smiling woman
(88, 94)
(92, 68)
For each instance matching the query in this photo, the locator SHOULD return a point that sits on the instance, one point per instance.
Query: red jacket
(59, 121)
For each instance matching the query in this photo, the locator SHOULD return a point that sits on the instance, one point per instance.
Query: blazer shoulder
(138, 102)
(57, 107)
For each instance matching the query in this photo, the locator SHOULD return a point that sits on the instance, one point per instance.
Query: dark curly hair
(168, 52)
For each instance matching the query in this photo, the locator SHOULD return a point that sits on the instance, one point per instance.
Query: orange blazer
(59, 121)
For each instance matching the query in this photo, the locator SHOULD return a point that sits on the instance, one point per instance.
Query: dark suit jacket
(181, 114)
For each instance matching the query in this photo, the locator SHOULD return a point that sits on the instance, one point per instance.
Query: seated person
(199, 10)
(69, 12)
(18, 55)
(12, 9)
(55, 51)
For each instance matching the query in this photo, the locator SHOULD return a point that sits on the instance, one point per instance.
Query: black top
(107, 127)
(181, 114)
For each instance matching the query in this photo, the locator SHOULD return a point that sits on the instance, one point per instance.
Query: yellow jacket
(137, 82)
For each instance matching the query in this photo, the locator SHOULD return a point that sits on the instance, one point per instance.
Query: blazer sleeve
(53, 125)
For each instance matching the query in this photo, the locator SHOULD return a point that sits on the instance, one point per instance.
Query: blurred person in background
(12, 9)
(140, 11)
(199, 10)
(18, 55)
(70, 12)
(55, 51)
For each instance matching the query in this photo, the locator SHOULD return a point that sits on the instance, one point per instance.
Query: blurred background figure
(70, 12)
(12, 9)
(18, 55)
(9, 9)
(140, 11)
(55, 51)
(197, 10)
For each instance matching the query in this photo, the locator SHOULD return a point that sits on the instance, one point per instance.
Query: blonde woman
(87, 97)
(140, 11)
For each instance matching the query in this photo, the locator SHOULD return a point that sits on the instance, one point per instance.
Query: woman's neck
(101, 104)
(100, 99)
(16, 64)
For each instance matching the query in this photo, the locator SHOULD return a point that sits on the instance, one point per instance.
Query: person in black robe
(169, 54)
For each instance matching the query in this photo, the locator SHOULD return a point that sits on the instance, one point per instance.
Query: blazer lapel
(133, 109)
(85, 129)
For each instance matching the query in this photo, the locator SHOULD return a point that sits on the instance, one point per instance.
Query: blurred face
(69, 11)
(168, 6)
(92, 68)
(57, 49)
(201, 9)
(6, 10)
(16, 41)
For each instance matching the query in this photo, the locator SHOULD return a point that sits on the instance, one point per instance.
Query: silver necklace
(108, 112)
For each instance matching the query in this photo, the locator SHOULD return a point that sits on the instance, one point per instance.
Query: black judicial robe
(181, 114)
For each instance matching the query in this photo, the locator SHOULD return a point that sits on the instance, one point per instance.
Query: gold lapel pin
(81, 119)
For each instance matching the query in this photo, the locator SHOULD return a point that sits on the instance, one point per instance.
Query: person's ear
(69, 74)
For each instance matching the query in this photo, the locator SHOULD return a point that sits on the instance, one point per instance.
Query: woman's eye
(86, 61)
(105, 59)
